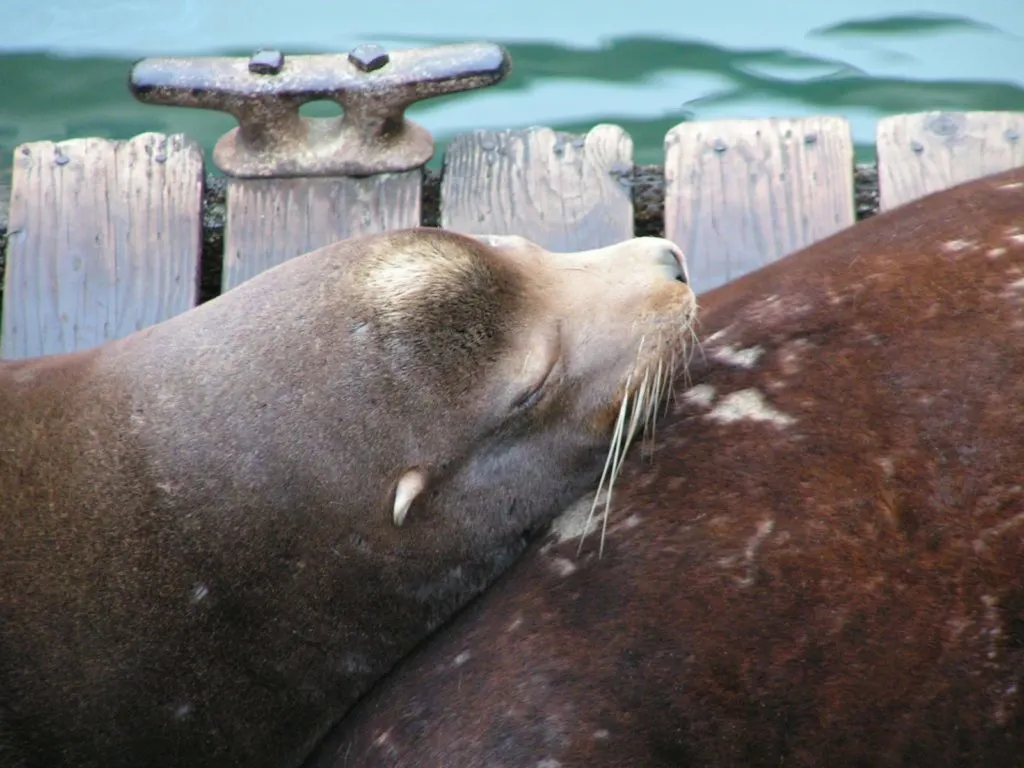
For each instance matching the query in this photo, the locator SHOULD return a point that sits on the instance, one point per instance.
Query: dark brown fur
(198, 565)
(847, 590)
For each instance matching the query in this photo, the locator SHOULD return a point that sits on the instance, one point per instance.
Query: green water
(644, 65)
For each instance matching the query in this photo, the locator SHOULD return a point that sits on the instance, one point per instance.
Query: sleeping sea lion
(217, 532)
(822, 565)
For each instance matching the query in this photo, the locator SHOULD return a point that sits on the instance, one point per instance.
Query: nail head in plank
(272, 220)
(928, 152)
(104, 240)
(565, 192)
(740, 194)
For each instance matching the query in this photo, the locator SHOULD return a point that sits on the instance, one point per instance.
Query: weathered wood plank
(564, 192)
(740, 194)
(104, 240)
(272, 220)
(930, 151)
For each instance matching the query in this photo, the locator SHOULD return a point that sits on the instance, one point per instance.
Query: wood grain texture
(105, 239)
(740, 194)
(930, 151)
(563, 191)
(272, 220)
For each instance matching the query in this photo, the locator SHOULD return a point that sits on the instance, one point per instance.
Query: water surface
(646, 64)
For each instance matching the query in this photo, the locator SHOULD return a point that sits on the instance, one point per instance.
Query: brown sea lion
(217, 532)
(822, 566)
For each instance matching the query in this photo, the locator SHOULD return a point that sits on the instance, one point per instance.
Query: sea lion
(823, 564)
(217, 532)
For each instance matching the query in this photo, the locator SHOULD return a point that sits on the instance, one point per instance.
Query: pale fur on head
(431, 303)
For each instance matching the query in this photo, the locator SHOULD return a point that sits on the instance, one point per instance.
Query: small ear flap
(410, 485)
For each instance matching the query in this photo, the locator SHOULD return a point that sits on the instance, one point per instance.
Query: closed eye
(534, 395)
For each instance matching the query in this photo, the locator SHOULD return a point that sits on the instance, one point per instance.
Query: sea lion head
(536, 357)
(416, 400)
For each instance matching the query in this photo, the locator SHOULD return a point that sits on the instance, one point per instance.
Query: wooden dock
(107, 237)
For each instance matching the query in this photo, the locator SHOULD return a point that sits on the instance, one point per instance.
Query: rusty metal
(373, 87)
(368, 58)
(266, 62)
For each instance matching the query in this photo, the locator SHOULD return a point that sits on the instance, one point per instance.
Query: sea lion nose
(674, 260)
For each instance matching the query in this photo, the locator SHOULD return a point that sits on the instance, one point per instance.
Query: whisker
(691, 323)
(638, 405)
(671, 389)
(651, 413)
(642, 405)
(651, 424)
(616, 438)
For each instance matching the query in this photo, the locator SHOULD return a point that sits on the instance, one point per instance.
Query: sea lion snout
(659, 253)
(646, 261)
(669, 256)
